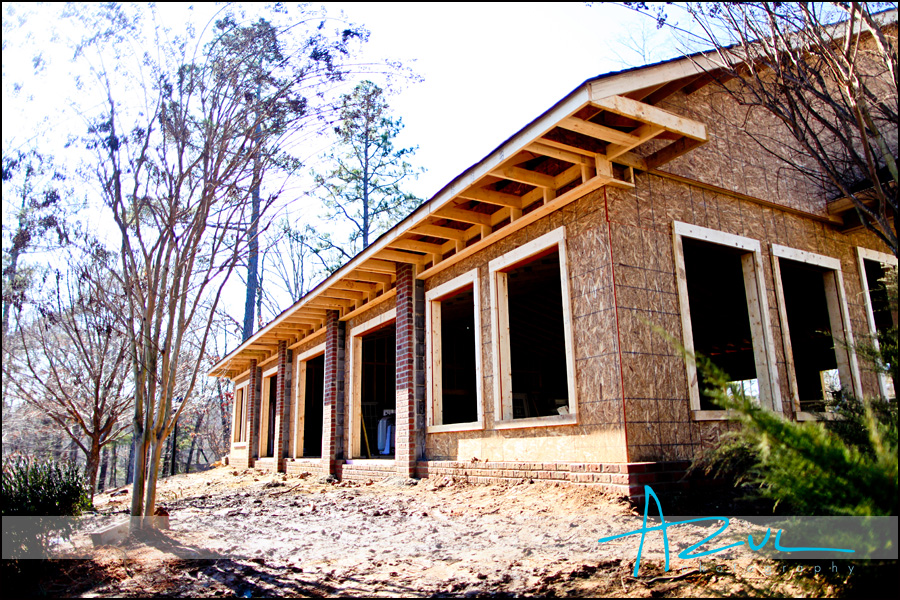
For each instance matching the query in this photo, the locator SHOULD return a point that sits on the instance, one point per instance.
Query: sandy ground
(247, 533)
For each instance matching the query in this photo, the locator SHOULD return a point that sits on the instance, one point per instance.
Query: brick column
(410, 440)
(253, 408)
(282, 409)
(333, 394)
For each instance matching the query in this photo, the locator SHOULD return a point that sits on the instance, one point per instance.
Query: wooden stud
(405, 244)
(545, 149)
(594, 130)
(465, 216)
(401, 257)
(525, 176)
(439, 232)
(646, 113)
(642, 134)
(492, 197)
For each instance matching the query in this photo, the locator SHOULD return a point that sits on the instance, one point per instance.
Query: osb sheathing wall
(631, 381)
(600, 435)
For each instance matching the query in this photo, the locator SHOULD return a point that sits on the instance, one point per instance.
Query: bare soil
(248, 533)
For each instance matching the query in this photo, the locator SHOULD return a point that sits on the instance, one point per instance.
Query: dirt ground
(248, 534)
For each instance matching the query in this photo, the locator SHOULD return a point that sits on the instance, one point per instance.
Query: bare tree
(177, 174)
(828, 73)
(72, 363)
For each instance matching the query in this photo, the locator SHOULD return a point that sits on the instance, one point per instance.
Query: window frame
(264, 401)
(502, 376)
(298, 401)
(889, 260)
(355, 383)
(757, 313)
(434, 392)
(240, 417)
(835, 298)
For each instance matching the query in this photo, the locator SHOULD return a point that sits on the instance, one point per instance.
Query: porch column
(333, 394)
(282, 404)
(253, 408)
(410, 440)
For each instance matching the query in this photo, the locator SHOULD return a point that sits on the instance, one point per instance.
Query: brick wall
(333, 394)
(253, 408)
(410, 336)
(625, 479)
(282, 397)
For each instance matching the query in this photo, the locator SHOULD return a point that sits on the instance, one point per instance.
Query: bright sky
(488, 69)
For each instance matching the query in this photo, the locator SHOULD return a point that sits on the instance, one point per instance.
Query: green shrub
(846, 468)
(43, 488)
(41, 491)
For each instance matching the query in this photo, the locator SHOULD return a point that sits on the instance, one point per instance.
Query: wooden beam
(358, 286)
(567, 147)
(465, 216)
(671, 152)
(437, 231)
(378, 266)
(525, 176)
(416, 245)
(646, 113)
(601, 132)
(333, 292)
(492, 197)
(371, 276)
(642, 134)
(545, 149)
(402, 257)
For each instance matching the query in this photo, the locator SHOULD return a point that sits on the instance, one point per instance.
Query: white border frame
(434, 362)
(503, 418)
(757, 313)
(885, 259)
(240, 418)
(298, 400)
(355, 384)
(837, 315)
(264, 401)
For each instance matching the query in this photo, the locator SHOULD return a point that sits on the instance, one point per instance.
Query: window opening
(271, 382)
(312, 407)
(240, 414)
(537, 341)
(720, 322)
(378, 394)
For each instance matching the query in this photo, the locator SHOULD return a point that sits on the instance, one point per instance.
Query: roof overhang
(599, 135)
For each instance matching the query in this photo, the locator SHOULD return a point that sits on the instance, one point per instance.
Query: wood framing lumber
(416, 245)
(465, 216)
(446, 233)
(594, 130)
(525, 176)
(646, 113)
(492, 197)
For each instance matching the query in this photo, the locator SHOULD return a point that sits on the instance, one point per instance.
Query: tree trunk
(93, 465)
(104, 467)
(129, 470)
(112, 465)
(174, 448)
(156, 448)
(142, 438)
(194, 437)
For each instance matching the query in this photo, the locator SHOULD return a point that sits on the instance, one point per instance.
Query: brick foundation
(365, 470)
(625, 479)
(296, 466)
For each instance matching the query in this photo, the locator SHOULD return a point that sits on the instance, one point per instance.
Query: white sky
(488, 69)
